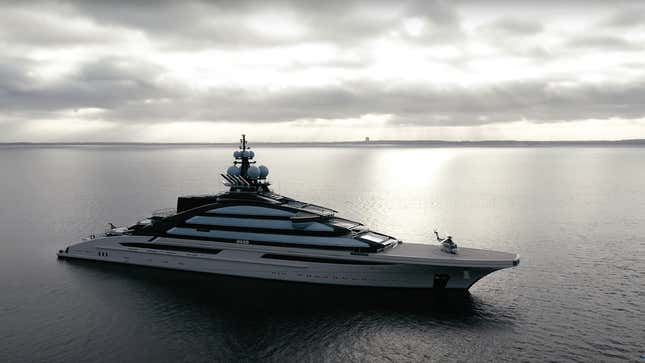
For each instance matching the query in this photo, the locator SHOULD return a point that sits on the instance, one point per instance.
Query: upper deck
(264, 218)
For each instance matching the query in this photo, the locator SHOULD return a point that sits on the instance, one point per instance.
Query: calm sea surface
(576, 215)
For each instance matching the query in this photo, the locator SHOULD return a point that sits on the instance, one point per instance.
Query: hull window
(321, 260)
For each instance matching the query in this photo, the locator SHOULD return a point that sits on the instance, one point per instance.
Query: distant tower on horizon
(367, 139)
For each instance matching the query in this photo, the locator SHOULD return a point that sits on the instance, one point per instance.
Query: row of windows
(268, 255)
(152, 246)
(321, 260)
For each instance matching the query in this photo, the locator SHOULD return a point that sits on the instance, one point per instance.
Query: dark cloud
(604, 42)
(632, 16)
(511, 26)
(133, 90)
(227, 23)
(48, 25)
(107, 83)
(13, 74)
(420, 104)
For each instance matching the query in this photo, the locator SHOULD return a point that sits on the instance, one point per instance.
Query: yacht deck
(426, 254)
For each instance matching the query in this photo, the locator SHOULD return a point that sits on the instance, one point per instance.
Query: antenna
(245, 163)
(243, 142)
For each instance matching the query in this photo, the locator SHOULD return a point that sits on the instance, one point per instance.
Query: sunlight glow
(414, 26)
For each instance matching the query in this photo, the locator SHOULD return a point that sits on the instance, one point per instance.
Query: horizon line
(354, 142)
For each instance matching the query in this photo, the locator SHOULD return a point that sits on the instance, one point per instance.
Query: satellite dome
(251, 154)
(233, 170)
(245, 154)
(253, 172)
(237, 154)
(264, 171)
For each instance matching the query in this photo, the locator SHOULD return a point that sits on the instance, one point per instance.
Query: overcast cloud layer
(327, 70)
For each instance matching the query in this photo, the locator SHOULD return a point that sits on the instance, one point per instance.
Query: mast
(246, 176)
(245, 157)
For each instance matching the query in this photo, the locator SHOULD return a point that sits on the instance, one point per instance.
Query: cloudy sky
(321, 70)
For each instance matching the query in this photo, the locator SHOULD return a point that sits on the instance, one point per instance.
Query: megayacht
(250, 231)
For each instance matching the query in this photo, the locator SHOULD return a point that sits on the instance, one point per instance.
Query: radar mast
(246, 177)
(245, 163)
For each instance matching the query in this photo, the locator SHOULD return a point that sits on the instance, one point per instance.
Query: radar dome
(253, 172)
(233, 170)
(251, 154)
(237, 154)
(264, 171)
(245, 154)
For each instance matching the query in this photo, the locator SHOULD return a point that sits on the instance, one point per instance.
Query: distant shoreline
(372, 143)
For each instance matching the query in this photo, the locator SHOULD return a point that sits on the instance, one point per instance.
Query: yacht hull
(392, 269)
